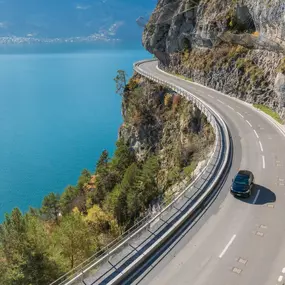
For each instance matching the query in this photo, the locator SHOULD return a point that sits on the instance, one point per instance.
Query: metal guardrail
(108, 263)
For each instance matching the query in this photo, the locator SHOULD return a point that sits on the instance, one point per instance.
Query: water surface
(58, 111)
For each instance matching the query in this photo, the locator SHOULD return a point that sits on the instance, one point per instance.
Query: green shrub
(269, 112)
(189, 169)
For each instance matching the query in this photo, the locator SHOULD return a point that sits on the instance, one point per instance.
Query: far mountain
(68, 18)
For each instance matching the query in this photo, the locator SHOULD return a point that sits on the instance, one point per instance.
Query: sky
(69, 18)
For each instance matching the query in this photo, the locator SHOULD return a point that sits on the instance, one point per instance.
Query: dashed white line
(227, 246)
(249, 123)
(256, 134)
(256, 197)
(210, 96)
(221, 101)
(263, 161)
(280, 278)
(283, 270)
(230, 107)
(260, 144)
(240, 114)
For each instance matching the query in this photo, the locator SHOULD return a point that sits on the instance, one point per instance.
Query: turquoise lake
(58, 111)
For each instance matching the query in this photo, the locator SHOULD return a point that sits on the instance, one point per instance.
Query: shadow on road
(265, 196)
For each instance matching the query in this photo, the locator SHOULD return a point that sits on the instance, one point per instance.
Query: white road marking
(249, 123)
(256, 134)
(283, 270)
(210, 96)
(221, 101)
(260, 144)
(230, 107)
(263, 161)
(227, 246)
(256, 197)
(240, 114)
(280, 278)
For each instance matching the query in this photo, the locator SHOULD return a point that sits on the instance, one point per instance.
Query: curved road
(238, 241)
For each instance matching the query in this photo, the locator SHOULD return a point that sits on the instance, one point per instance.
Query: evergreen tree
(50, 206)
(39, 268)
(68, 196)
(148, 187)
(24, 246)
(102, 163)
(105, 183)
(123, 157)
(117, 200)
(116, 203)
(72, 239)
(83, 179)
(149, 179)
(12, 236)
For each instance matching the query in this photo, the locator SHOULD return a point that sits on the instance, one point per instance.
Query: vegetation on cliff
(161, 141)
(224, 45)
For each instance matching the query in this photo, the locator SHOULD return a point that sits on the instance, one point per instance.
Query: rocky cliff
(234, 46)
(160, 122)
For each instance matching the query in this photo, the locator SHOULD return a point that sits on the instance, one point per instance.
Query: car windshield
(241, 179)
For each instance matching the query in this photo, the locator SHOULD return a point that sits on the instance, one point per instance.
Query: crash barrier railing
(112, 263)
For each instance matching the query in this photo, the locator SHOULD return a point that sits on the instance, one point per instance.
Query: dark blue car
(242, 184)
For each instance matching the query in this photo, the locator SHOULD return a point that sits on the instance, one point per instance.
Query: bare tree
(121, 81)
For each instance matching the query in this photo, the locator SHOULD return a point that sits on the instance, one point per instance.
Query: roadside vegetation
(183, 77)
(39, 246)
(269, 112)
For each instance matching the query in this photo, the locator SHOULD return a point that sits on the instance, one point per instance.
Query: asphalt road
(237, 241)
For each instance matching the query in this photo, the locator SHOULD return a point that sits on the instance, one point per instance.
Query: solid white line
(240, 114)
(227, 246)
(283, 270)
(256, 134)
(230, 107)
(263, 161)
(260, 144)
(249, 123)
(210, 96)
(256, 197)
(280, 278)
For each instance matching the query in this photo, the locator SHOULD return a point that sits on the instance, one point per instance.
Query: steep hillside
(162, 123)
(236, 47)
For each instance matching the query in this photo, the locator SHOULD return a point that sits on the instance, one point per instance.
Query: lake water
(58, 111)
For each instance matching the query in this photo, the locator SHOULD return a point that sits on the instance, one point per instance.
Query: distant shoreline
(66, 47)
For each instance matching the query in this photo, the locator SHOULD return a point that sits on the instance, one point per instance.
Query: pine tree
(50, 207)
(72, 239)
(123, 157)
(148, 177)
(68, 196)
(83, 179)
(102, 163)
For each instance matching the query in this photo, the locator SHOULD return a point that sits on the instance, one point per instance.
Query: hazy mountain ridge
(65, 18)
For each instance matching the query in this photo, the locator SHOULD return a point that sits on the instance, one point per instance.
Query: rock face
(158, 122)
(180, 33)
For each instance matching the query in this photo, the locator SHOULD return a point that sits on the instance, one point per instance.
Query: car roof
(244, 172)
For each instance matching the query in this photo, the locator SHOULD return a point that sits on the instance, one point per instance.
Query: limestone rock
(204, 27)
